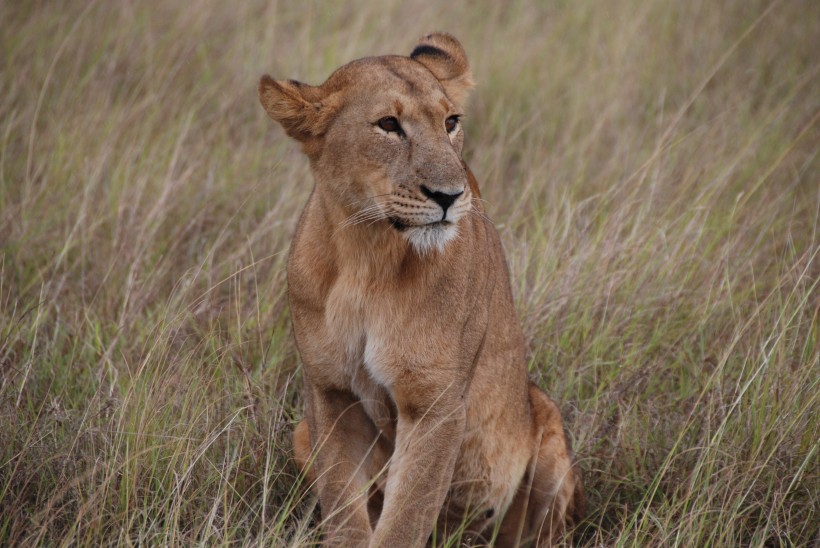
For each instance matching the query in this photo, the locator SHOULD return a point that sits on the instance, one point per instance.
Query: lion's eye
(389, 124)
(451, 123)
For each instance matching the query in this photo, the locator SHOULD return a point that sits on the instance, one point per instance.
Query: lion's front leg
(344, 445)
(428, 439)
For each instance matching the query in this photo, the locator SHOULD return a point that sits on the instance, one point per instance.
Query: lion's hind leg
(551, 495)
(302, 451)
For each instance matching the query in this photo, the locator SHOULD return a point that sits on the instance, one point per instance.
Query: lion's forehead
(376, 82)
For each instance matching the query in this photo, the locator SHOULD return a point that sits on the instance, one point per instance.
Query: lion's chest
(357, 333)
(360, 344)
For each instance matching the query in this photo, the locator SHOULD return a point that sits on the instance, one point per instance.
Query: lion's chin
(426, 238)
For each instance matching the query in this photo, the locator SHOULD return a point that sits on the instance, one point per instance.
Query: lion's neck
(372, 249)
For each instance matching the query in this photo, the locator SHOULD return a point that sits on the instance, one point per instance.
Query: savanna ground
(652, 167)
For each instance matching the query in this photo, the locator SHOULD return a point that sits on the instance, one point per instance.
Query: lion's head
(384, 138)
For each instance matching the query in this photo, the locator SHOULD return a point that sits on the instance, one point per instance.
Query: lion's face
(384, 137)
(395, 146)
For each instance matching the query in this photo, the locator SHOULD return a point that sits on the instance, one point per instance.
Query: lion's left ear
(297, 106)
(444, 56)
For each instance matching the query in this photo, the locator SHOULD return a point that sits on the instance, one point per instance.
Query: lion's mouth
(401, 226)
(397, 224)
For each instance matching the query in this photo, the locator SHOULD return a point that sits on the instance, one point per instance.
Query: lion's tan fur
(418, 406)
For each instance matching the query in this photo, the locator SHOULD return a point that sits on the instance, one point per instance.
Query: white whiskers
(369, 214)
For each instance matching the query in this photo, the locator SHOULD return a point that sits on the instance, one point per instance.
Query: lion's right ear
(297, 106)
(445, 57)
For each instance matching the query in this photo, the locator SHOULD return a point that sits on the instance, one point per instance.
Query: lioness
(418, 407)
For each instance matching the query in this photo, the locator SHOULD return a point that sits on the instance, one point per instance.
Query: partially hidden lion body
(419, 412)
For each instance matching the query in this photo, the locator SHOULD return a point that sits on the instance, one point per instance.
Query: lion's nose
(443, 199)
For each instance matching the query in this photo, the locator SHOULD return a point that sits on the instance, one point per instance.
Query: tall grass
(652, 168)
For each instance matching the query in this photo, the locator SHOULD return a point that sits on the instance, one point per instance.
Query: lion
(419, 413)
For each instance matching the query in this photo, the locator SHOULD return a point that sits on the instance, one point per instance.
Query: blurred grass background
(652, 167)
